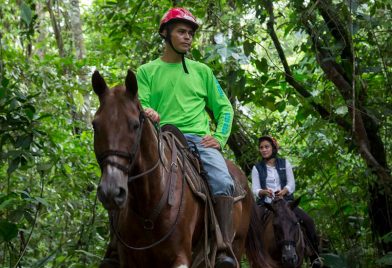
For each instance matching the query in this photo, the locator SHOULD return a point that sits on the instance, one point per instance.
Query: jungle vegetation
(316, 74)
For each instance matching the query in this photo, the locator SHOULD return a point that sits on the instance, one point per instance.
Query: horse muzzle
(113, 189)
(289, 256)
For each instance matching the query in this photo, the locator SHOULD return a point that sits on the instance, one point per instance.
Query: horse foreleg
(182, 261)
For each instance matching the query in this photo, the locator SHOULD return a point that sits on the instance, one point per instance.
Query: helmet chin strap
(168, 39)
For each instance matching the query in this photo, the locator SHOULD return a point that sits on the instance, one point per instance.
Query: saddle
(193, 157)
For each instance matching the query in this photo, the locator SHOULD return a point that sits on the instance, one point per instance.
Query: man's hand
(152, 114)
(210, 142)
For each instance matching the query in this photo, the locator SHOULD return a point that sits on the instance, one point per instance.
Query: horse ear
(131, 84)
(99, 84)
(295, 203)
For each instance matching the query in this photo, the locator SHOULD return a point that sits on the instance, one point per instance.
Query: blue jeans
(218, 176)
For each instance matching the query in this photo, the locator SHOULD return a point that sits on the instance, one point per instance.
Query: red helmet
(178, 14)
(271, 139)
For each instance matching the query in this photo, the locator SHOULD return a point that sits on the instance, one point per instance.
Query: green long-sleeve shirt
(180, 99)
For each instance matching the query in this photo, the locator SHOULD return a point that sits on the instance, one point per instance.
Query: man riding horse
(176, 90)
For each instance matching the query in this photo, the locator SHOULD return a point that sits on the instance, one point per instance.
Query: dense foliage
(315, 74)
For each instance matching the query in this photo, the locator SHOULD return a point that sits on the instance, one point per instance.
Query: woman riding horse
(273, 177)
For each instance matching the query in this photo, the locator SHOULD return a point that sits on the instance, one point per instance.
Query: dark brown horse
(281, 233)
(156, 218)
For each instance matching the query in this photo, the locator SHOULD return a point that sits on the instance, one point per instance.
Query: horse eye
(133, 124)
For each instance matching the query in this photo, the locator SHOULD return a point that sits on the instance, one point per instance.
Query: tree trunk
(41, 29)
(76, 26)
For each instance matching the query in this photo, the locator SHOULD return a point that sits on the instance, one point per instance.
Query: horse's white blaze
(183, 266)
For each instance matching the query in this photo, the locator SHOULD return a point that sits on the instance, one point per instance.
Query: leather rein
(168, 194)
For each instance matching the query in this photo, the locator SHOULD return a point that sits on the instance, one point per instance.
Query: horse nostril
(120, 198)
(101, 195)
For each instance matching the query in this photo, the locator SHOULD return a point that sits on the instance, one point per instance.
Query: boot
(223, 210)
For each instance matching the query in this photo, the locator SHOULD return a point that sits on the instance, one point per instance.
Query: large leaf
(8, 230)
(385, 260)
(262, 65)
(334, 261)
(25, 13)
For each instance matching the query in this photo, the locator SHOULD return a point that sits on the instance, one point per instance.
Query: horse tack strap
(173, 174)
(168, 194)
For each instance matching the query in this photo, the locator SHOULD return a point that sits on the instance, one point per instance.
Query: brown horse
(282, 235)
(156, 218)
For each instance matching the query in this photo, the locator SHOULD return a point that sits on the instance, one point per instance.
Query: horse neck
(146, 189)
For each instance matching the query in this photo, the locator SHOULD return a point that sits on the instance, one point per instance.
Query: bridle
(292, 243)
(131, 157)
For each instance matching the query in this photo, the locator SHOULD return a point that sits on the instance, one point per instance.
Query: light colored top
(180, 99)
(273, 180)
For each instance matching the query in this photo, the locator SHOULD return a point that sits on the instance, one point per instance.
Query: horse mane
(254, 245)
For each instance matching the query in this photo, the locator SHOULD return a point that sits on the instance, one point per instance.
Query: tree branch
(56, 29)
(301, 89)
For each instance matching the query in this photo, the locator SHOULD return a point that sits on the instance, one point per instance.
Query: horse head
(117, 125)
(286, 230)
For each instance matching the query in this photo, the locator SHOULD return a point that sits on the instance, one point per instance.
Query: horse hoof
(225, 262)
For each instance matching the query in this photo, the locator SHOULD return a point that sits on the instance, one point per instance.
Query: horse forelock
(283, 210)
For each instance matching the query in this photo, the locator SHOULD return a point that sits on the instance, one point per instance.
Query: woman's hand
(282, 193)
(152, 114)
(267, 192)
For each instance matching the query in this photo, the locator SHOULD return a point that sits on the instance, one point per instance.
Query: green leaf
(42, 262)
(302, 114)
(8, 230)
(387, 238)
(334, 261)
(88, 254)
(7, 203)
(342, 110)
(248, 47)
(262, 65)
(44, 167)
(42, 201)
(196, 54)
(24, 141)
(13, 165)
(25, 13)
(385, 260)
(299, 77)
(30, 111)
(78, 100)
(281, 105)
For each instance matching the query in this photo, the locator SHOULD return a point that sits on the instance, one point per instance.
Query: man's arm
(221, 109)
(144, 93)
(143, 86)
